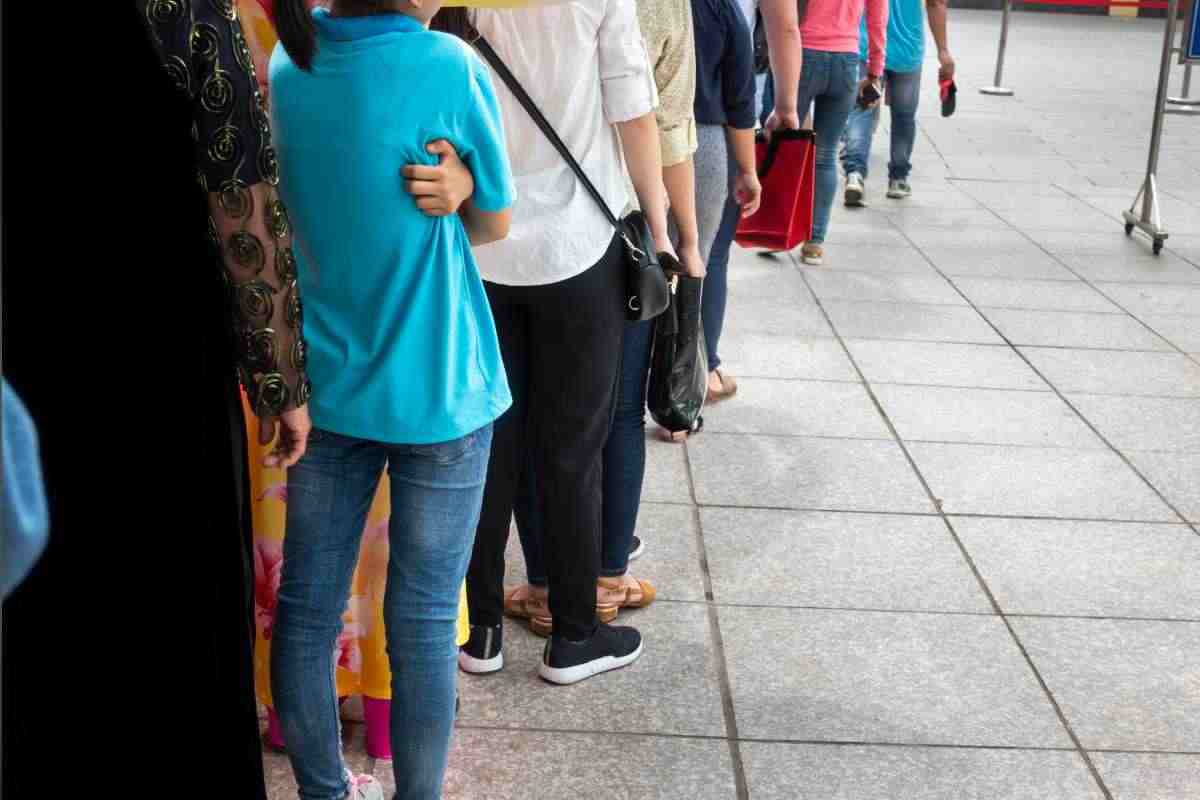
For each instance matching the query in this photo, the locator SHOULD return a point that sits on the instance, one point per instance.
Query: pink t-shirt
(833, 26)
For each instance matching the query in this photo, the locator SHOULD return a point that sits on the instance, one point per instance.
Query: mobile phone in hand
(869, 96)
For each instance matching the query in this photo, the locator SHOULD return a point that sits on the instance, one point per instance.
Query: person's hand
(946, 66)
(874, 83)
(747, 191)
(782, 120)
(689, 259)
(441, 190)
(294, 427)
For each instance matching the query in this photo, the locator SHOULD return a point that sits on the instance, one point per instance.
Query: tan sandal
(532, 603)
(727, 387)
(626, 591)
(673, 437)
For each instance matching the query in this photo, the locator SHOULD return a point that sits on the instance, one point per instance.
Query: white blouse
(584, 63)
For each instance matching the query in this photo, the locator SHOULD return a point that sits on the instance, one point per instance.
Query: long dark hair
(453, 21)
(297, 33)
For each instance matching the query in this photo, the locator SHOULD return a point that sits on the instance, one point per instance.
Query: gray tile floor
(946, 542)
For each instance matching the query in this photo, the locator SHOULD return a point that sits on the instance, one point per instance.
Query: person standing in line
(902, 87)
(670, 43)
(557, 291)
(780, 20)
(404, 358)
(830, 84)
(163, 328)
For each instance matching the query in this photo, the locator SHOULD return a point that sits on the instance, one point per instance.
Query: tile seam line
(964, 514)
(728, 709)
(1085, 279)
(700, 737)
(964, 552)
(1062, 394)
(927, 612)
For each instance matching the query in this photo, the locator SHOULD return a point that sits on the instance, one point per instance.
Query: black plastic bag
(679, 364)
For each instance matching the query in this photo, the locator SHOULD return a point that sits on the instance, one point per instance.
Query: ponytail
(297, 34)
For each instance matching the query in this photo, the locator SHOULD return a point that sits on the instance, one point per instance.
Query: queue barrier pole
(1148, 218)
(997, 89)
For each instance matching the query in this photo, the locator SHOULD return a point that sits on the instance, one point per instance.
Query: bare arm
(747, 190)
(643, 157)
(484, 227)
(680, 180)
(787, 58)
(937, 13)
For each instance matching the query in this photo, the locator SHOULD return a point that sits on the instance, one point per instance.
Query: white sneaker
(855, 190)
(364, 787)
(898, 190)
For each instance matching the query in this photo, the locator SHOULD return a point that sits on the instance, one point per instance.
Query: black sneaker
(636, 548)
(482, 653)
(565, 662)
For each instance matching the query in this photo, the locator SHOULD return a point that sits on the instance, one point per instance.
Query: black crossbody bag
(647, 291)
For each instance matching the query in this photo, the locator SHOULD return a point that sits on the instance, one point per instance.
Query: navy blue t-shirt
(724, 64)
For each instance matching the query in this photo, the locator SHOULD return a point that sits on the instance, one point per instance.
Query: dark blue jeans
(436, 494)
(828, 83)
(624, 468)
(903, 95)
(716, 282)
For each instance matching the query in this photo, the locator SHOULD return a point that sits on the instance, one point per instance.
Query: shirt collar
(348, 29)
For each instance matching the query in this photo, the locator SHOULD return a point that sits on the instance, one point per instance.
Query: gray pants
(712, 183)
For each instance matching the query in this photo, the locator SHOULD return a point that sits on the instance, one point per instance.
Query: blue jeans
(903, 94)
(436, 493)
(829, 83)
(624, 468)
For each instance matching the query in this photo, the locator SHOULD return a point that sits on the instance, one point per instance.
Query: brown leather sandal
(728, 388)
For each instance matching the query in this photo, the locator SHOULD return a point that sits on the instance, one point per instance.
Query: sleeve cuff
(628, 97)
(678, 143)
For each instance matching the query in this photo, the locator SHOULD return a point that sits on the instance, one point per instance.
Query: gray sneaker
(855, 190)
(899, 190)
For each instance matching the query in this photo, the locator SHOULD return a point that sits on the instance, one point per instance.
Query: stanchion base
(1158, 234)
(996, 91)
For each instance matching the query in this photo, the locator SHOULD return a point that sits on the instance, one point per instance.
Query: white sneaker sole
(569, 675)
(895, 195)
(480, 666)
(813, 261)
(636, 554)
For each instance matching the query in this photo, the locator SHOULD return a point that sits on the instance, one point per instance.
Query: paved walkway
(946, 543)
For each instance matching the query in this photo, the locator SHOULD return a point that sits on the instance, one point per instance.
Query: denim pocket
(450, 452)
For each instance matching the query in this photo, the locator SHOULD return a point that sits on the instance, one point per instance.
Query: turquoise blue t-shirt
(905, 36)
(402, 347)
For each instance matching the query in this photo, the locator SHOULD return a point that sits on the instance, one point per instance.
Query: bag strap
(493, 58)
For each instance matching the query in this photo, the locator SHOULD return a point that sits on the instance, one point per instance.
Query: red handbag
(786, 169)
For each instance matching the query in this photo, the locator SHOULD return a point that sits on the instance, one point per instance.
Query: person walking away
(830, 84)
(902, 88)
(557, 291)
(403, 355)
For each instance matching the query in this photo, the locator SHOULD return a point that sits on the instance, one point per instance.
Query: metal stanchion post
(1185, 98)
(997, 89)
(1149, 219)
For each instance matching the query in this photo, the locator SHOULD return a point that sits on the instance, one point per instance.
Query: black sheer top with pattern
(204, 51)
